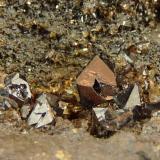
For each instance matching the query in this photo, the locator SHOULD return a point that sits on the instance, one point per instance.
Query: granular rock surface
(50, 42)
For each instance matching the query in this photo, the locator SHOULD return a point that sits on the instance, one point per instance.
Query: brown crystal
(97, 82)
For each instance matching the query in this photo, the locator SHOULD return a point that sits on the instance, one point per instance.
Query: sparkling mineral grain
(134, 99)
(100, 113)
(42, 113)
(18, 88)
(96, 83)
(122, 97)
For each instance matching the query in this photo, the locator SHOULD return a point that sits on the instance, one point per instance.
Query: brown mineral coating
(99, 71)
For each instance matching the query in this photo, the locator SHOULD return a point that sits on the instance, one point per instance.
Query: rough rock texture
(50, 42)
(74, 144)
